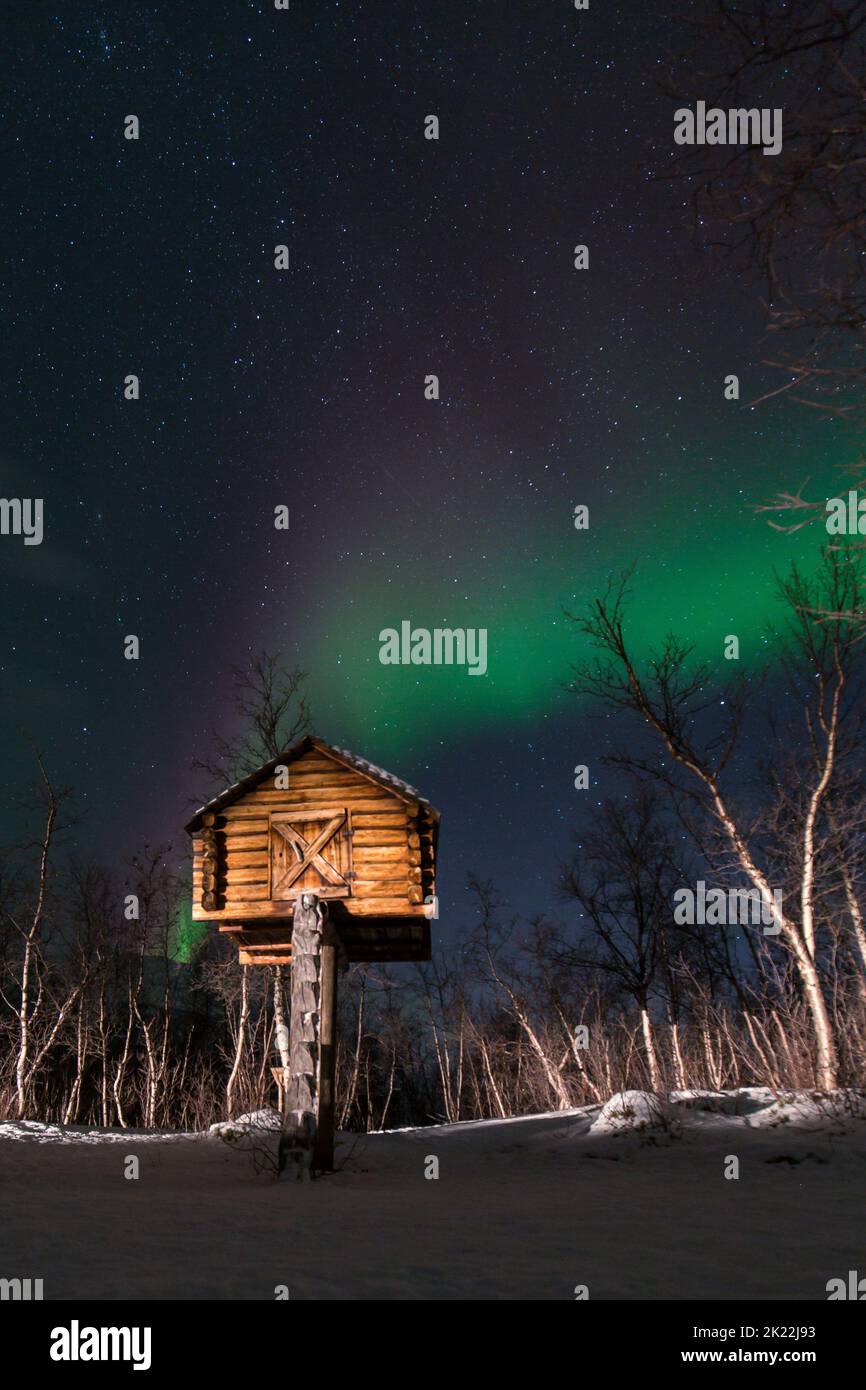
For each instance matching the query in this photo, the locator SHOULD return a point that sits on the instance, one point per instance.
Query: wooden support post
(278, 1073)
(307, 1138)
(324, 1158)
(298, 1137)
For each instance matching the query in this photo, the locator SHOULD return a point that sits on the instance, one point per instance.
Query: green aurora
(188, 934)
(706, 567)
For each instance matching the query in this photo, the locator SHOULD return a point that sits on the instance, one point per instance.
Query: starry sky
(305, 388)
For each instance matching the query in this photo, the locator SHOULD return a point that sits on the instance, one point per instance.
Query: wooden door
(310, 852)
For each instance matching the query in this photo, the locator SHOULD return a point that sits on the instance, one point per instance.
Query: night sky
(305, 387)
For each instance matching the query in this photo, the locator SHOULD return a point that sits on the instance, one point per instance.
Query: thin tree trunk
(497, 1094)
(71, 1113)
(649, 1044)
(281, 1032)
(807, 883)
(679, 1068)
(241, 1040)
(806, 968)
(790, 932)
(24, 1016)
(352, 1086)
(120, 1073)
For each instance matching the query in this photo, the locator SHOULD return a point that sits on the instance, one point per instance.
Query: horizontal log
(321, 764)
(243, 820)
(264, 947)
(378, 837)
(308, 788)
(383, 906)
(380, 887)
(316, 762)
(235, 856)
(245, 887)
(300, 770)
(303, 775)
(248, 817)
(246, 859)
(240, 890)
(252, 958)
(378, 820)
(389, 884)
(377, 864)
(243, 840)
(310, 782)
(353, 771)
(392, 873)
(259, 910)
(367, 797)
(380, 854)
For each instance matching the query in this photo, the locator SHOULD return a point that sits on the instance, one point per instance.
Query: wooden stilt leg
(298, 1137)
(324, 1159)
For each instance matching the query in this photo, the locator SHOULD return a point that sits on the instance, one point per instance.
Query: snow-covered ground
(631, 1201)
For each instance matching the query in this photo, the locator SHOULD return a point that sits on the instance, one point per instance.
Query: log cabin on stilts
(317, 859)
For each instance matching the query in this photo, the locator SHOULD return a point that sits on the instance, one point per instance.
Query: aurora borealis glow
(708, 571)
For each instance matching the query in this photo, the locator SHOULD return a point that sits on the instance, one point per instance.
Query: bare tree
(240, 1039)
(672, 701)
(272, 712)
(796, 218)
(40, 1010)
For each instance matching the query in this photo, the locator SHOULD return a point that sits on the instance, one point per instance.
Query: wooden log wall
(209, 868)
(392, 844)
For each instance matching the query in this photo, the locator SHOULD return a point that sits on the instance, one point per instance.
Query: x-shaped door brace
(308, 853)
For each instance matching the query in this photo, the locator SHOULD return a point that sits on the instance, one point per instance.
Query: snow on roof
(378, 774)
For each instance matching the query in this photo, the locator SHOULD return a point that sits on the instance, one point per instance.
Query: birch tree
(43, 1004)
(671, 698)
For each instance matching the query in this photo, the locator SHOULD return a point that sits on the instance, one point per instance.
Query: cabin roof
(306, 745)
